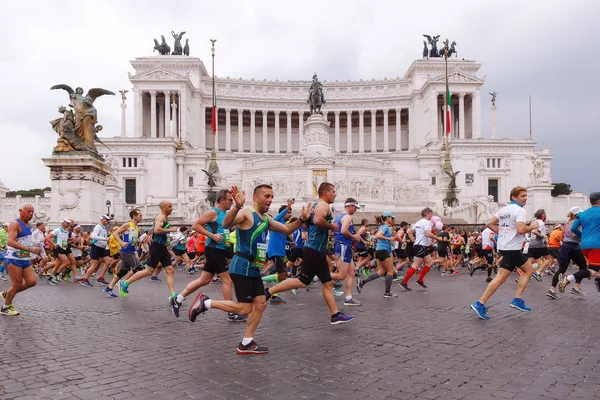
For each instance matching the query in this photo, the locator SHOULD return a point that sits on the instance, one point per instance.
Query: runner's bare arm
(206, 218)
(493, 224)
(292, 226)
(321, 212)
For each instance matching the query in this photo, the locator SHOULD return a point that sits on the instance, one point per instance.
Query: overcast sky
(526, 47)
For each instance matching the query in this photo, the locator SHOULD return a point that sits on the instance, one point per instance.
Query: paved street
(72, 342)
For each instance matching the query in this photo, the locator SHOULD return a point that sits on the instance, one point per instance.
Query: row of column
(171, 113)
(336, 144)
(461, 116)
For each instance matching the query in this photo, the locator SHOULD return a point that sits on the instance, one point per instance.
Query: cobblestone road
(72, 342)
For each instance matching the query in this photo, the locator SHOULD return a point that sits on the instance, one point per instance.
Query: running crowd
(243, 247)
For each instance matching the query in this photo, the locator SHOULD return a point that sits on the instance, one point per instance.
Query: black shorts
(512, 259)
(116, 256)
(422, 251)
(79, 258)
(98, 253)
(279, 263)
(216, 260)
(489, 256)
(191, 255)
(246, 288)
(537, 252)
(362, 252)
(178, 252)
(443, 252)
(382, 255)
(159, 254)
(457, 251)
(554, 251)
(59, 250)
(294, 254)
(314, 264)
(401, 253)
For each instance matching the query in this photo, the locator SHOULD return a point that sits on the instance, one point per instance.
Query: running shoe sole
(422, 284)
(518, 308)
(477, 312)
(341, 322)
(191, 314)
(246, 352)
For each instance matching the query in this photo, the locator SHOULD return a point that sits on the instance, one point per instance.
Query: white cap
(67, 220)
(575, 210)
(106, 217)
(6, 224)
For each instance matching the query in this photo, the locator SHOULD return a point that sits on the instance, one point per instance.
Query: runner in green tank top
(252, 225)
(314, 256)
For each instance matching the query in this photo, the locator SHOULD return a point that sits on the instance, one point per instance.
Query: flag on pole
(448, 108)
(214, 111)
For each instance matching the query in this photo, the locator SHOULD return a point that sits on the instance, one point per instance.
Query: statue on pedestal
(211, 195)
(315, 96)
(493, 94)
(78, 128)
(177, 49)
(186, 48)
(433, 52)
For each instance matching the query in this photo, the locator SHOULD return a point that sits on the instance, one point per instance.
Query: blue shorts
(344, 251)
(17, 263)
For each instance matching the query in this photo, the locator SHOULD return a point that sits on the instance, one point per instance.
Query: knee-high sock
(411, 271)
(372, 276)
(388, 283)
(424, 272)
(270, 278)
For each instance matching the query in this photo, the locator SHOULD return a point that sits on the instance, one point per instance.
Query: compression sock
(411, 271)
(372, 276)
(388, 283)
(424, 272)
(270, 278)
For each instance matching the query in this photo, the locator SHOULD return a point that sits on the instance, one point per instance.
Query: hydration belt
(245, 255)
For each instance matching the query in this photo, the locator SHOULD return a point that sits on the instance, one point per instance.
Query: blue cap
(387, 214)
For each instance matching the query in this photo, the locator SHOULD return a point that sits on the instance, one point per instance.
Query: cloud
(524, 49)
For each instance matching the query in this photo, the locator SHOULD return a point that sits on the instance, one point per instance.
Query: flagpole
(447, 167)
(530, 132)
(213, 167)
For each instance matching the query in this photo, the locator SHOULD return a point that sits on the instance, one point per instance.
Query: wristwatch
(239, 207)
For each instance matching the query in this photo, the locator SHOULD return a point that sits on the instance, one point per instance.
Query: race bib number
(226, 237)
(64, 244)
(261, 255)
(24, 253)
(134, 238)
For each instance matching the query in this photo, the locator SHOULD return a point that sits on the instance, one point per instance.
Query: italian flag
(214, 111)
(448, 108)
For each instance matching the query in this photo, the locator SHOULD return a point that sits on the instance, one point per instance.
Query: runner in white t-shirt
(538, 245)
(423, 239)
(487, 253)
(510, 224)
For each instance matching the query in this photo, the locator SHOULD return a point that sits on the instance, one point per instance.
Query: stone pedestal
(316, 137)
(539, 196)
(493, 122)
(78, 187)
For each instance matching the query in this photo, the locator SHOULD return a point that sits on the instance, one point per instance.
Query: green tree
(28, 193)
(561, 188)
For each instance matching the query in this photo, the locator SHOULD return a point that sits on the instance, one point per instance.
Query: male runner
(509, 223)
(344, 239)
(99, 252)
(17, 257)
(210, 224)
(59, 238)
(38, 238)
(250, 255)
(589, 221)
(314, 256)
(159, 253)
(538, 247)
(129, 258)
(487, 252)
(423, 238)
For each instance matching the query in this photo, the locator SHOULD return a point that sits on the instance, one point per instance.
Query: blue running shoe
(85, 282)
(341, 318)
(480, 309)
(124, 289)
(236, 318)
(109, 292)
(175, 305)
(519, 304)
(155, 279)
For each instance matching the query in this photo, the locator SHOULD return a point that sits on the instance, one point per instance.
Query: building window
(135, 162)
(191, 181)
(130, 162)
(433, 181)
(489, 164)
(124, 162)
(494, 163)
(130, 191)
(493, 189)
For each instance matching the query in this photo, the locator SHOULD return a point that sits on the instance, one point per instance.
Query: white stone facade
(382, 144)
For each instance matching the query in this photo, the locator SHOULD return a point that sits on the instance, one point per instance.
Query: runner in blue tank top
(216, 253)
(314, 257)
(344, 238)
(249, 258)
(18, 250)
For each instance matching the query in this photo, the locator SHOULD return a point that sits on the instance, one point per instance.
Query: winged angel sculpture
(78, 128)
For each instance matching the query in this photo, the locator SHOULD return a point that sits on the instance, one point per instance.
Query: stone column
(265, 141)
(167, 114)
(252, 131)
(161, 120)
(153, 114)
(461, 115)
(349, 132)
(175, 118)
(288, 132)
(386, 137)
(240, 114)
(493, 121)
(123, 119)
(373, 131)
(398, 129)
(228, 129)
(476, 116)
(137, 109)
(337, 132)
(361, 131)
(276, 131)
(183, 113)
(202, 127)
(300, 128)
